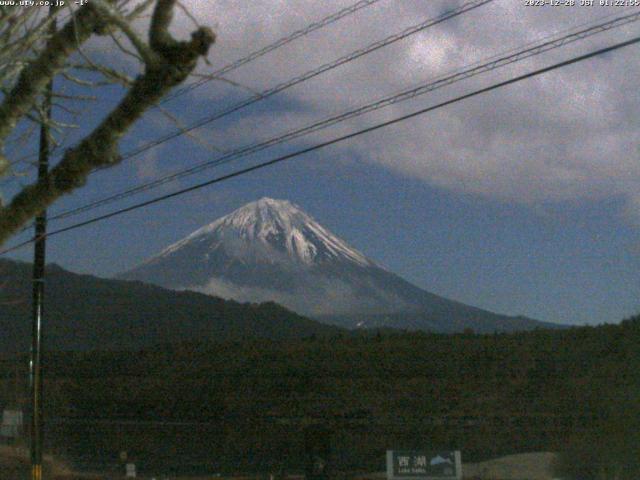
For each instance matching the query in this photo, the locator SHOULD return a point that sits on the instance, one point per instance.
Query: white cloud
(330, 296)
(565, 135)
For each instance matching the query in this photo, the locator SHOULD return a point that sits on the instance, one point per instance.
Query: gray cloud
(566, 135)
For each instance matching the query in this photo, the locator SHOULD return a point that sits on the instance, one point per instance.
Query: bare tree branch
(171, 63)
(147, 54)
(192, 135)
(139, 10)
(36, 75)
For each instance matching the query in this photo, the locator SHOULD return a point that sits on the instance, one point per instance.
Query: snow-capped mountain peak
(271, 250)
(277, 225)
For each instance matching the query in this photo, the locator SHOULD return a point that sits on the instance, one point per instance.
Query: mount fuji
(271, 250)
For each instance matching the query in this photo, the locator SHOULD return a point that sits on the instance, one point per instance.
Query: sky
(522, 201)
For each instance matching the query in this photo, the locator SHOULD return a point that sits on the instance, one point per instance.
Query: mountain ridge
(84, 312)
(271, 250)
(260, 219)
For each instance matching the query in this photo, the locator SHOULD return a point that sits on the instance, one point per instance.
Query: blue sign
(424, 465)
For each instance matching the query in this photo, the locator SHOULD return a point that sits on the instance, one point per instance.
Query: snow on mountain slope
(271, 250)
(277, 224)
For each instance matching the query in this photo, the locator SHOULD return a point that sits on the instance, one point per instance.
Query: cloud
(566, 135)
(147, 167)
(329, 296)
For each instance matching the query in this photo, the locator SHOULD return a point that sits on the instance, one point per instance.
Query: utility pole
(35, 364)
(18, 400)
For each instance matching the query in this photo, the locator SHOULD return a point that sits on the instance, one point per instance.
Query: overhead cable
(465, 7)
(333, 141)
(405, 95)
(334, 17)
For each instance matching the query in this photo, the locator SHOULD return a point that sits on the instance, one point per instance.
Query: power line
(334, 140)
(494, 63)
(467, 6)
(38, 281)
(273, 46)
(328, 20)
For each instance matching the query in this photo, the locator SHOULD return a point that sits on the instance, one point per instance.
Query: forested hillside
(83, 312)
(574, 391)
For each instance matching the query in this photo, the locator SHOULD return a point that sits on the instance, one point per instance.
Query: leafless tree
(31, 55)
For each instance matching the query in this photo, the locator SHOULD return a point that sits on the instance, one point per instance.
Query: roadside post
(130, 470)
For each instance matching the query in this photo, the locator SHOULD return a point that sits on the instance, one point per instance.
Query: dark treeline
(84, 312)
(250, 405)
